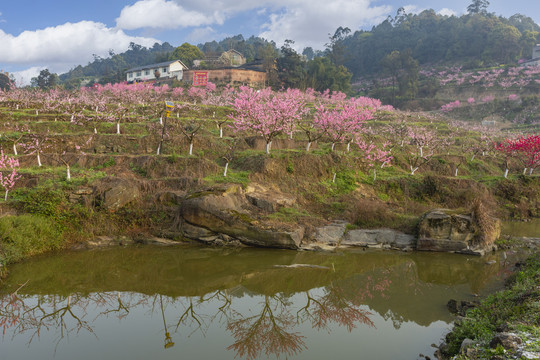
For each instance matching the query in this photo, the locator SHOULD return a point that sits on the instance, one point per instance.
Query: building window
(138, 73)
(164, 70)
(130, 75)
(146, 72)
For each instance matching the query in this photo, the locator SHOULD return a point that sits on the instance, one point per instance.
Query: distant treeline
(477, 39)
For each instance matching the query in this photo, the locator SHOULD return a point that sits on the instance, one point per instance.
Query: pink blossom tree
(9, 172)
(265, 112)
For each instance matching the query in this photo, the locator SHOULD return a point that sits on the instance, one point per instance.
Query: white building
(166, 70)
(535, 61)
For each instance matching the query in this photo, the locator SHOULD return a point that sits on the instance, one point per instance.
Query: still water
(191, 302)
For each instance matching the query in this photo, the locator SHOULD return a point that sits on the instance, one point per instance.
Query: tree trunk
(5, 197)
(68, 173)
(531, 170)
(421, 152)
(473, 157)
(226, 168)
(334, 178)
(220, 132)
(506, 173)
(413, 170)
(456, 172)
(308, 146)
(333, 146)
(191, 148)
(158, 152)
(524, 171)
(268, 147)
(118, 128)
(161, 120)
(38, 159)
(15, 149)
(374, 174)
(349, 146)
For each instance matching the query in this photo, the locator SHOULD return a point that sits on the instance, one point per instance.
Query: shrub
(26, 235)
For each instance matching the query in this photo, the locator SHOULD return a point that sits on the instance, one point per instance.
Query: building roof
(153, 66)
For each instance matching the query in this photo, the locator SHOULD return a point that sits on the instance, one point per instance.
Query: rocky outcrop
(227, 216)
(443, 230)
(379, 238)
(336, 235)
(117, 193)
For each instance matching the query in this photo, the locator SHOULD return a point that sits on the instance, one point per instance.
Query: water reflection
(266, 310)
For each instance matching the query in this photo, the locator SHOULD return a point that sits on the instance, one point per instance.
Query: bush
(26, 235)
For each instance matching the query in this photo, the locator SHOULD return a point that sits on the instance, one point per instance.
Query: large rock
(442, 230)
(377, 238)
(117, 193)
(211, 214)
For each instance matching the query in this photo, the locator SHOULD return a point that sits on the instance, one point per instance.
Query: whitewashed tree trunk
(413, 170)
(308, 146)
(220, 132)
(531, 170)
(421, 151)
(68, 173)
(333, 146)
(5, 197)
(15, 149)
(456, 172)
(374, 174)
(72, 117)
(17, 107)
(268, 147)
(161, 120)
(37, 112)
(118, 128)
(349, 146)
(506, 173)
(290, 135)
(38, 159)
(95, 130)
(226, 168)
(473, 157)
(191, 148)
(158, 149)
(334, 178)
(524, 171)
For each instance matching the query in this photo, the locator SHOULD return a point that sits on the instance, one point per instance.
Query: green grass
(27, 235)
(515, 309)
(235, 177)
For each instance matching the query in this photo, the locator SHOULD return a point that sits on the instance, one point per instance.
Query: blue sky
(60, 34)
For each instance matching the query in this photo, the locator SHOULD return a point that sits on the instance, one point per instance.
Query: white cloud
(447, 12)
(163, 14)
(201, 34)
(65, 45)
(309, 22)
(412, 9)
(22, 78)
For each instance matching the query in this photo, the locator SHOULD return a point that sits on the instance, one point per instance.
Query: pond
(191, 302)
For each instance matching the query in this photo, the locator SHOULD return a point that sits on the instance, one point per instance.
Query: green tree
(290, 67)
(45, 80)
(322, 74)
(478, 7)
(187, 53)
(5, 82)
(336, 47)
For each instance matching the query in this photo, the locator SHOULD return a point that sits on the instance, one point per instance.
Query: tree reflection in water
(273, 330)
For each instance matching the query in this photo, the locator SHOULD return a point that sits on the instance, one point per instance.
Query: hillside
(101, 162)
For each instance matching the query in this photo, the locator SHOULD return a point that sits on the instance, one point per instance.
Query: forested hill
(475, 40)
(111, 69)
